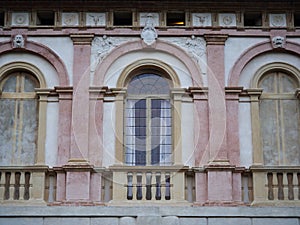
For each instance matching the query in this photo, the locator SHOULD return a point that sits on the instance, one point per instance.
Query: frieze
(70, 19)
(144, 16)
(227, 19)
(20, 19)
(95, 19)
(201, 19)
(277, 20)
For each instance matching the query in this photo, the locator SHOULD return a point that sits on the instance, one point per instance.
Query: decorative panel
(70, 19)
(277, 20)
(201, 19)
(227, 19)
(20, 19)
(95, 19)
(144, 15)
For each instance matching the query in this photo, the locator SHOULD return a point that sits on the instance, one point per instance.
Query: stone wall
(149, 215)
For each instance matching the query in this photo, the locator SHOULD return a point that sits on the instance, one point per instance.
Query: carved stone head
(278, 42)
(18, 41)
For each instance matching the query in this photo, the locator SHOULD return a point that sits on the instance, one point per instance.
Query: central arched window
(148, 121)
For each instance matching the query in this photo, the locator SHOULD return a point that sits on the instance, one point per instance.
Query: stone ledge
(118, 211)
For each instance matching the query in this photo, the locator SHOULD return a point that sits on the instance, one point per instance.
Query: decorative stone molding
(201, 19)
(195, 46)
(215, 39)
(102, 46)
(20, 19)
(149, 34)
(227, 19)
(144, 18)
(277, 20)
(18, 41)
(82, 39)
(95, 19)
(278, 42)
(70, 19)
(232, 93)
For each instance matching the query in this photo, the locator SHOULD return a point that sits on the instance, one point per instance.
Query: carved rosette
(20, 19)
(227, 20)
(277, 20)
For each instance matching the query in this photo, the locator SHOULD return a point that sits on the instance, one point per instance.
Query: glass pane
(10, 84)
(135, 137)
(291, 136)
(269, 130)
(287, 84)
(148, 84)
(29, 132)
(29, 84)
(160, 131)
(268, 83)
(7, 131)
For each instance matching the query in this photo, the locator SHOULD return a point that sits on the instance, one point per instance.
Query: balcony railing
(276, 185)
(22, 184)
(149, 184)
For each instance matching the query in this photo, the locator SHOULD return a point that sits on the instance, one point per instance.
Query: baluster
(158, 187)
(280, 186)
(26, 186)
(17, 186)
(270, 186)
(7, 184)
(298, 176)
(148, 186)
(129, 186)
(290, 186)
(51, 189)
(139, 191)
(168, 191)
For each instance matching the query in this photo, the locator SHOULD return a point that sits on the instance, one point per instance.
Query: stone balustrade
(19, 185)
(276, 185)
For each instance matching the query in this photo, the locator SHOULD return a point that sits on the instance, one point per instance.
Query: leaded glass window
(18, 119)
(148, 121)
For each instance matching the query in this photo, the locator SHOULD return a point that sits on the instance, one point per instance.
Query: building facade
(146, 112)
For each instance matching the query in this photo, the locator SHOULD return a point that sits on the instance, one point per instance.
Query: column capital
(232, 93)
(215, 39)
(199, 93)
(82, 39)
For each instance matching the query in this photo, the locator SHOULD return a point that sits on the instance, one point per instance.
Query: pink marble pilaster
(76, 186)
(232, 124)
(64, 129)
(96, 125)
(80, 107)
(216, 96)
(201, 129)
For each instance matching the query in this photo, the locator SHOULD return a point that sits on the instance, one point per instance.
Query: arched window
(279, 113)
(148, 121)
(18, 119)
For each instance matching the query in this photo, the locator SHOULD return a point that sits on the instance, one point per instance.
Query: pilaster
(217, 105)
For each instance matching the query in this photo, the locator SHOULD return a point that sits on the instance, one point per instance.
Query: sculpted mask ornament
(18, 41)
(149, 34)
(278, 42)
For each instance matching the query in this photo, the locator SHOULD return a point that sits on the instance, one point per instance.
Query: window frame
(120, 92)
(256, 93)
(41, 94)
